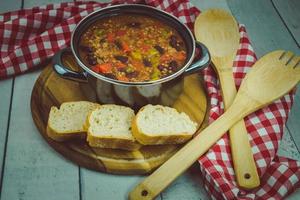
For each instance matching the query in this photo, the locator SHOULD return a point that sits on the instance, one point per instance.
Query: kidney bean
(160, 67)
(92, 60)
(159, 49)
(86, 48)
(132, 74)
(110, 75)
(102, 40)
(147, 63)
(122, 59)
(173, 65)
(175, 44)
(123, 69)
(118, 44)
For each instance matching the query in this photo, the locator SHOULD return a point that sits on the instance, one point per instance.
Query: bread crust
(112, 142)
(65, 136)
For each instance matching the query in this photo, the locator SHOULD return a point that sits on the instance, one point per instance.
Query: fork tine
(289, 60)
(297, 63)
(282, 55)
(286, 57)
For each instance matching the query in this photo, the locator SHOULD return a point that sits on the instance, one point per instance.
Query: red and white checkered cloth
(31, 36)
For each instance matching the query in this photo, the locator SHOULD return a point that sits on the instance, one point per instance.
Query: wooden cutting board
(51, 90)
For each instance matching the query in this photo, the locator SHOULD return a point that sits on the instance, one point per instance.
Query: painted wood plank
(294, 196)
(33, 170)
(264, 26)
(288, 147)
(289, 11)
(294, 119)
(188, 186)
(33, 3)
(97, 185)
(6, 6)
(205, 4)
(6, 90)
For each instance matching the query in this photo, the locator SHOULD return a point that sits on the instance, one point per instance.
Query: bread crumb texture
(111, 121)
(70, 117)
(160, 120)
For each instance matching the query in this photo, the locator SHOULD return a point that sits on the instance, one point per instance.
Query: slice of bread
(67, 122)
(109, 126)
(162, 125)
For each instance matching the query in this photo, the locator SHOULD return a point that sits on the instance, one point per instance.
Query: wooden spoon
(271, 77)
(218, 30)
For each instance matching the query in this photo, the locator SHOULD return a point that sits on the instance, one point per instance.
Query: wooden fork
(271, 77)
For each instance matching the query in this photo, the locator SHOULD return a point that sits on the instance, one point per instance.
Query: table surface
(31, 169)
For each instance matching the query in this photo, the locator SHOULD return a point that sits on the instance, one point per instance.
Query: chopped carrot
(110, 37)
(138, 65)
(125, 47)
(145, 47)
(104, 68)
(181, 55)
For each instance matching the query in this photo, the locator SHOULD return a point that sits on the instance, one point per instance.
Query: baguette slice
(67, 122)
(162, 125)
(109, 126)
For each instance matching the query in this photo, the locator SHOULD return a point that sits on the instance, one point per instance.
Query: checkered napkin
(32, 36)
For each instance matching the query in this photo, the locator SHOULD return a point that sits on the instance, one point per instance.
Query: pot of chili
(132, 54)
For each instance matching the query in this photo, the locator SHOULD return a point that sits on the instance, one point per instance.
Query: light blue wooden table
(31, 170)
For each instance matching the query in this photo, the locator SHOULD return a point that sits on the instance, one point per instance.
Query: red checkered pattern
(31, 36)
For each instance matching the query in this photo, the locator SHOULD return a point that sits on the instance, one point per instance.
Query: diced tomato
(165, 57)
(125, 47)
(103, 68)
(181, 55)
(95, 69)
(121, 32)
(110, 37)
(146, 47)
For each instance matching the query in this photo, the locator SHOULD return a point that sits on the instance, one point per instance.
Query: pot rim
(124, 83)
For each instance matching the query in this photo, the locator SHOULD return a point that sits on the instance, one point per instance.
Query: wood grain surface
(51, 90)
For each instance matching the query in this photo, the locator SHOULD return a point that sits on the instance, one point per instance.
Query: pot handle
(63, 71)
(203, 62)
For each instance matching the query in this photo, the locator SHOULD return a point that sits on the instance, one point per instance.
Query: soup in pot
(132, 48)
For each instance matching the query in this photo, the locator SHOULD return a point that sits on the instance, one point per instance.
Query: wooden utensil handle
(243, 161)
(185, 157)
(242, 156)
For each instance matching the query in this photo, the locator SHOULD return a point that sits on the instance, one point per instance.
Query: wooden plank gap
(283, 21)
(293, 139)
(6, 135)
(79, 180)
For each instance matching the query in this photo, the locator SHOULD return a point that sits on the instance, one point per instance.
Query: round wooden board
(51, 90)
